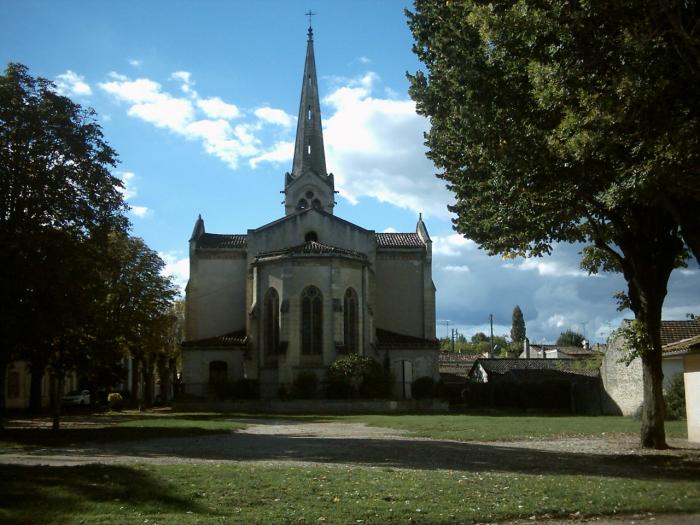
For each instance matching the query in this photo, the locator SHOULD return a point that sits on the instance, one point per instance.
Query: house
(18, 379)
(291, 296)
(623, 382)
(559, 384)
(688, 350)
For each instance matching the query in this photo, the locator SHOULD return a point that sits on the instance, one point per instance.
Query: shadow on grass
(44, 437)
(417, 454)
(45, 494)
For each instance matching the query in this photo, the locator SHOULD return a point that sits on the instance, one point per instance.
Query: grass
(213, 493)
(476, 427)
(121, 426)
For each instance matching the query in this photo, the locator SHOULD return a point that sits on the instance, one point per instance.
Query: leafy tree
(480, 337)
(570, 338)
(517, 331)
(571, 122)
(57, 201)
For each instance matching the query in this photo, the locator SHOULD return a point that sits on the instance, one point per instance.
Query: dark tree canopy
(570, 122)
(570, 338)
(517, 330)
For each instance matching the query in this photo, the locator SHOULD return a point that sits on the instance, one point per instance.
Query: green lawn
(122, 426)
(212, 493)
(463, 427)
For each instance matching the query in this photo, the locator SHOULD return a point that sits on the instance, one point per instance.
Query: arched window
(271, 322)
(316, 203)
(311, 236)
(311, 321)
(303, 204)
(218, 372)
(350, 320)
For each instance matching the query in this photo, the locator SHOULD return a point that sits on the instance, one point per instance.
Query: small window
(309, 113)
(308, 149)
(303, 204)
(316, 203)
(309, 194)
(311, 237)
(350, 320)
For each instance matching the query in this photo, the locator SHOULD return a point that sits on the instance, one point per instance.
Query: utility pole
(491, 321)
(446, 322)
(453, 340)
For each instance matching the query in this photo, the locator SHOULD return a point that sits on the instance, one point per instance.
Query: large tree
(58, 200)
(577, 122)
(517, 329)
(570, 338)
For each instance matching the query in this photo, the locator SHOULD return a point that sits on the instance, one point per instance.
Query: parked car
(77, 397)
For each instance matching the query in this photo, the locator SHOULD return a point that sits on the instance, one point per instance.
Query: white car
(77, 397)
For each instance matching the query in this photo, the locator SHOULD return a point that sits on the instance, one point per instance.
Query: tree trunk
(164, 376)
(60, 378)
(135, 383)
(148, 384)
(3, 391)
(647, 268)
(35, 393)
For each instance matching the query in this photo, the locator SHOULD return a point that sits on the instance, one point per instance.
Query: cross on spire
(310, 14)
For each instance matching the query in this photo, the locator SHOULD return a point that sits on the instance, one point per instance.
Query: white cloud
(129, 190)
(463, 268)
(451, 245)
(141, 211)
(281, 152)
(185, 77)
(149, 102)
(214, 107)
(557, 321)
(549, 268)
(390, 229)
(135, 62)
(375, 149)
(274, 116)
(176, 267)
(70, 83)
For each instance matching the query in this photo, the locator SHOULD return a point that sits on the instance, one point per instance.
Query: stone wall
(622, 384)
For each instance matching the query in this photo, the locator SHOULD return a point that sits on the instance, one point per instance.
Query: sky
(199, 99)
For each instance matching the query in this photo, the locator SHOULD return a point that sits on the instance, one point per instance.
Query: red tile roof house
(623, 384)
(688, 350)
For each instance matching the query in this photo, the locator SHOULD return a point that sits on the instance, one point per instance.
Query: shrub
(423, 388)
(305, 386)
(355, 375)
(674, 396)
(246, 389)
(115, 400)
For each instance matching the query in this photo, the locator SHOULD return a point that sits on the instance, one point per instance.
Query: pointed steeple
(308, 149)
(309, 185)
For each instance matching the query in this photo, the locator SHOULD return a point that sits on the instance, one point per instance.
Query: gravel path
(342, 443)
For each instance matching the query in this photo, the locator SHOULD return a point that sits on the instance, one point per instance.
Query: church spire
(309, 185)
(308, 148)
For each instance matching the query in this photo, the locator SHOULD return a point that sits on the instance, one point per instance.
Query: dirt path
(291, 442)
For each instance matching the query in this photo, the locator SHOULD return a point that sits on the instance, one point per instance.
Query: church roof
(388, 340)
(220, 241)
(398, 240)
(311, 248)
(237, 338)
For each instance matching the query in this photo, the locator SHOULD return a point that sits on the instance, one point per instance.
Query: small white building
(291, 296)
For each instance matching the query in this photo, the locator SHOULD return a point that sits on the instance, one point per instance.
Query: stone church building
(293, 295)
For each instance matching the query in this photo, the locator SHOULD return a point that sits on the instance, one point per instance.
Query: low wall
(311, 406)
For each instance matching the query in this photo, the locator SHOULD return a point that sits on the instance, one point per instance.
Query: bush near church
(357, 376)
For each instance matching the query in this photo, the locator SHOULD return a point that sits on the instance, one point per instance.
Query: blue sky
(199, 98)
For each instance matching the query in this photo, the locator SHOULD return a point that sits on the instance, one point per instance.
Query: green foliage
(355, 375)
(423, 388)
(674, 396)
(570, 338)
(305, 386)
(570, 122)
(517, 331)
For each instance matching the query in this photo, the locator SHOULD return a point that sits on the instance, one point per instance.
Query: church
(292, 296)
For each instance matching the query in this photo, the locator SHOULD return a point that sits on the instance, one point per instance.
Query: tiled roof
(691, 344)
(505, 366)
(238, 338)
(312, 248)
(672, 331)
(218, 241)
(456, 364)
(387, 339)
(398, 240)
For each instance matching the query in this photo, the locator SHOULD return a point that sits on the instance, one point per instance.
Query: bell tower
(309, 185)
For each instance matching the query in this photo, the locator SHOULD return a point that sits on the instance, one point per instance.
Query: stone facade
(293, 295)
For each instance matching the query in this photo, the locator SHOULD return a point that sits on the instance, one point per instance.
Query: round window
(309, 194)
